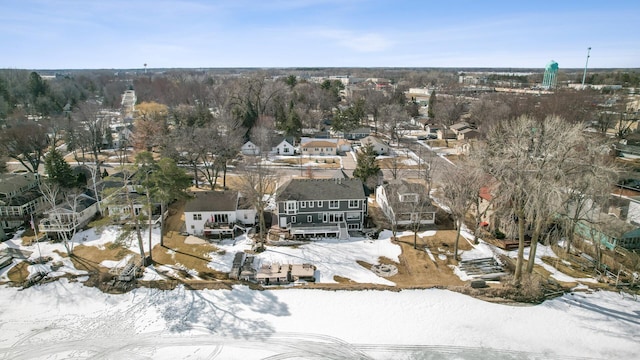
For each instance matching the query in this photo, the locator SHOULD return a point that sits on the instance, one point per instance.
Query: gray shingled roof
(321, 189)
(402, 187)
(212, 201)
(12, 182)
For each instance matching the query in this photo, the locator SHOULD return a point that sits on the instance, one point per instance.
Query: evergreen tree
(432, 104)
(163, 180)
(291, 81)
(108, 138)
(293, 126)
(37, 87)
(58, 170)
(367, 166)
(350, 118)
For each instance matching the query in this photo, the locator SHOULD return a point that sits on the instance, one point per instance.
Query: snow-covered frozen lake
(63, 320)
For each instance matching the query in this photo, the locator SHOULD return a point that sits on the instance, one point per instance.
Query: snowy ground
(330, 256)
(92, 237)
(62, 320)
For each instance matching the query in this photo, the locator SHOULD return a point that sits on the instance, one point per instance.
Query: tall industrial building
(550, 75)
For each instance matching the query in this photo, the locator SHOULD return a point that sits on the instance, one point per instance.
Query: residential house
(356, 134)
(344, 146)
(319, 148)
(484, 207)
(321, 207)
(446, 134)
(317, 134)
(468, 134)
(432, 129)
(285, 146)
(605, 224)
(70, 215)
(422, 122)
(464, 131)
(121, 200)
(121, 135)
(609, 231)
(458, 127)
(379, 146)
(215, 213)
(405, 203)
(250, 148)
(19, 199)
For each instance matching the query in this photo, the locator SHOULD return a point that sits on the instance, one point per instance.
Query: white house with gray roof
(379, 146)
(215, 213)
(405, 203)
(321, 207)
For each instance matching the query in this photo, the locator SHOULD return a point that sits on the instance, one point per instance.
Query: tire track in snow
(283, 345)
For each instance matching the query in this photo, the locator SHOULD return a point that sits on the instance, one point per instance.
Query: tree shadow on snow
(233, 313)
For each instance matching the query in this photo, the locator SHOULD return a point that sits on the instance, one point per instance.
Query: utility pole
(584, 76)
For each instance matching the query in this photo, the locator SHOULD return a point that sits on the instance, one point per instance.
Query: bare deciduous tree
(460, 188)
(63, 213)
(26, 142)
(449, 108)
(539, 165)
(257, 183)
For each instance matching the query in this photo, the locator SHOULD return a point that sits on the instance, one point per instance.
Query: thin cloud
(359, 42)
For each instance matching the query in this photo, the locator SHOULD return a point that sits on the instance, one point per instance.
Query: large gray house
(321, 207)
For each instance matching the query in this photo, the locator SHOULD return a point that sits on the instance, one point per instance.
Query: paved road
(429, 155)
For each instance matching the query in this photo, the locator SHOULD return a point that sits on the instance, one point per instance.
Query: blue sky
(55, 34)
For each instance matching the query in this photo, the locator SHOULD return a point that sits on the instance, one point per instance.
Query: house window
(333, 217)
(334, 204)
(353, 226)
(354, 204)
(353, 216)
(193, 227)
(309, 218)
(286, 149)
(310, 204)
(291, 207)
(319, 203)
(221, 218)
(303, 204)
(293, 219)
(197, 216)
